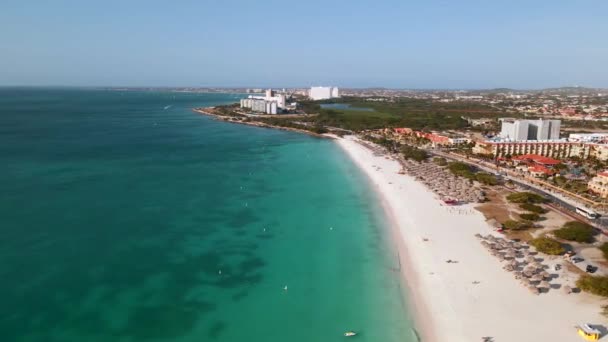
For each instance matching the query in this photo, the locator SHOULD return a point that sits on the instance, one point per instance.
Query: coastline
(205, 111)
(474, 297)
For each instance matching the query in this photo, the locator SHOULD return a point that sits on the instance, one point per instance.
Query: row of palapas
(522, 261)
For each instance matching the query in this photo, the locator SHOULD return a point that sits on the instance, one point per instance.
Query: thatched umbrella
(533, 289)
(530, 259)
(537, 277)
(509, 268)
(478, 236)
(567, 289)
(517, 274)
(528, 273)
(544, 284)
(545, 275)
(514, 263)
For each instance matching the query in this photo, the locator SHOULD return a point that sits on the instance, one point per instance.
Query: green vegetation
(440, 161)
(465, 170)
(596, 285)
(530, 217)
(411, 152)
(526, 197)
(533, 208)
(576, 231)
(418, 114)
(515, 225)
(547, 245)
(486, 178)
(461, 170)
(604, 249)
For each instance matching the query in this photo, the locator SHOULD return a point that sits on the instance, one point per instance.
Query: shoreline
(473, 297)
(205, 111)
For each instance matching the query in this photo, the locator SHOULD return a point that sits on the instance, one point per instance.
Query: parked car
(591, 269)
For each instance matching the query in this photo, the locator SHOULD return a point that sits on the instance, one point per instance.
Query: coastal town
(521, 189)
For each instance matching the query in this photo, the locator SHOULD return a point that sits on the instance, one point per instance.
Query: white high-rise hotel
(520, 130)
(323, 93)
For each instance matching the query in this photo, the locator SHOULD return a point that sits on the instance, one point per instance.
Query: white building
(270, 103)
(323, 93)
(588, 137)
(521, 130)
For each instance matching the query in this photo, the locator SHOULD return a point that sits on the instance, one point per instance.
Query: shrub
(515, 225)
(530, 217)
(411, 152)
(576, 231)
(526, 197)
(596, 285)
(547, 245)
(440, 161)
(486, 178)
(461, 169)
(604, 249)
(533, 208)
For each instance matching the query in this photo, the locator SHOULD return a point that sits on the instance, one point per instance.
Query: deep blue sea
(127, 217)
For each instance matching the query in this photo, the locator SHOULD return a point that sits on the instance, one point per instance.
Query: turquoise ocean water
(127, 217)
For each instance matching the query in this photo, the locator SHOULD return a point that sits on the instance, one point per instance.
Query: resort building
(323, 93)
(520, 130)
(599, 184)
(536, 165)
(554, 149)
(270, 103)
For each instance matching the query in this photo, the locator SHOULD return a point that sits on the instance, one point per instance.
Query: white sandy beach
(449, 307)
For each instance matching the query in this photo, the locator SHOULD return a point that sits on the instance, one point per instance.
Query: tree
(576, 231)
(604, 249)
(533, 208)
(530, 217)
(595, 285)
(547, 245)
(526, 197)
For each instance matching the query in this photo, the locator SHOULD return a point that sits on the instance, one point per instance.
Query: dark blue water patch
(345, 106)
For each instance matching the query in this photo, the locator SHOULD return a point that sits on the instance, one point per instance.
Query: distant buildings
(522, 130)
(589, 137)
(599, 184)
(323, 93)
(270, 103)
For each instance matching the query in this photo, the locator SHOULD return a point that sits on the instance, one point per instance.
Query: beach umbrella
(537, 277)
(518, 274)
(544, 284)
(528, 273)
(530, 259)
(533, 289)
(514, 263)
(567, 289)
(545, 275)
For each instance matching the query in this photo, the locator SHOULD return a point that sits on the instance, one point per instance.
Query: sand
(447, 305)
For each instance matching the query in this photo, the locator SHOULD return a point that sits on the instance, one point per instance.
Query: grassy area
(576, 231)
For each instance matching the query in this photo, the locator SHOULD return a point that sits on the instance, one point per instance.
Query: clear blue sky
(349, 43)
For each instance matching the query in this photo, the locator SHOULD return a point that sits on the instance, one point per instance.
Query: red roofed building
(536, 159)
(537, 165)
(403, 130)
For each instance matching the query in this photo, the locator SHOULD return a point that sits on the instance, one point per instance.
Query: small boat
(350, 333)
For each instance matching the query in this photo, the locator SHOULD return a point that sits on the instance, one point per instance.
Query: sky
(346, 43)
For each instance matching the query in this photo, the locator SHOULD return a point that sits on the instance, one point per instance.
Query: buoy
(219, 272)
(285, 288)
